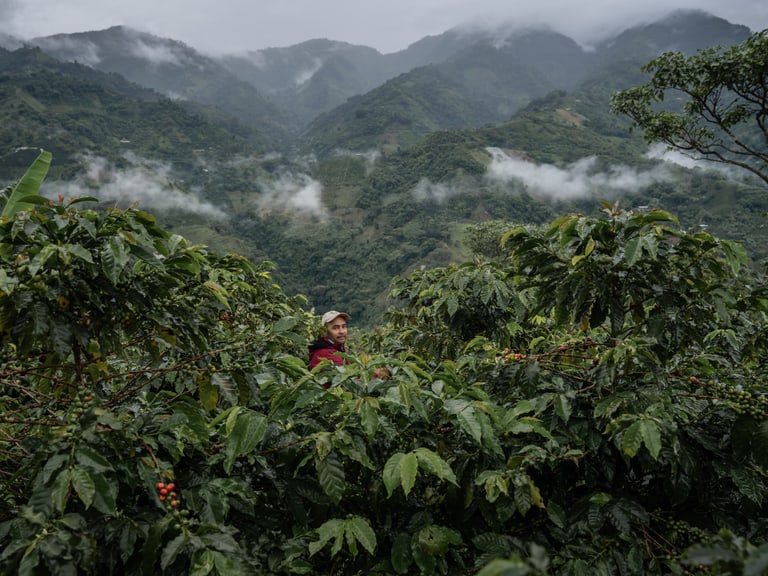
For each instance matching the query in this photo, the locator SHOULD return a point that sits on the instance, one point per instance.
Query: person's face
(337, 329)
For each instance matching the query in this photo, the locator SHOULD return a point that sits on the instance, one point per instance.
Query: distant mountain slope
(71, 110)
(683, 31)
(174, 70)
(394, 115)
(494, 75)
(315, 76)
(312, 77)
(485, 82)
(471, 77)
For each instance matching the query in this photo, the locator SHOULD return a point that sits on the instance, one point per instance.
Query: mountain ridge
(282, 92)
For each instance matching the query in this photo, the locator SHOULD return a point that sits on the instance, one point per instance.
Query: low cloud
(576, 180)
(306, 75)
(147, 184)
(293, 192)
(83, 51)
(155, 53)
(426, 190)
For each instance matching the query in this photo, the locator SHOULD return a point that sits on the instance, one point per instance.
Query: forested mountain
(312, 77)
(401, 153)
(493, 75)
(72, 110)
(176, 71)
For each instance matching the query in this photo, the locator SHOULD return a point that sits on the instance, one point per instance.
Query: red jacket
(326, 349)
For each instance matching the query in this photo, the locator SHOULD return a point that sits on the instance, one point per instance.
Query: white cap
(332, 315)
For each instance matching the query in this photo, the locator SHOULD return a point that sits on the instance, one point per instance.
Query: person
(332, 342)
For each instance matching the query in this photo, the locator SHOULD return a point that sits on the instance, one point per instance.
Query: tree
(724, 96)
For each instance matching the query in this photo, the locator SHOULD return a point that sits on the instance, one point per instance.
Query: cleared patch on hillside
(571, 117)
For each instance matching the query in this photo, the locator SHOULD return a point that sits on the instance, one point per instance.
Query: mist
(427, 190)
(292, 192)
(576, 180)
(146, 184)
(242, 25)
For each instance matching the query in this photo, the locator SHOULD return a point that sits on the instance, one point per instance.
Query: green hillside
(72, 110)
(396, 115)
(175, 71)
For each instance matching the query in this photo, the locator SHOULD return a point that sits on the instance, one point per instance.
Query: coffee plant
(590, 401)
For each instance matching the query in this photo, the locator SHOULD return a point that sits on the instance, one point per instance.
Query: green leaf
(556, 514)
(633, 250)
(651, 435)
(523, 498)
(632, 439)
(29, 562)
(54, 463)
(284, 324)
(562, 407)
(436, 540)
(152, 542)
(172, 550)
(208, 392)
(330, 473)
(203, 563)
(28, 185)
(105, 496)
(248, 431)
(470, 424)
(432, 463)
(619, 519)
(391, 474)
(361, 529)
(749, 485)
(452, 304)
(60, 489)
(216, 289)
(494, 483)
(333, 528)
(83, 485)
(80, 252)
(369, 418)
(89, 458)
(226, 565)
(127, 542)
(401, 556)
(409, 468)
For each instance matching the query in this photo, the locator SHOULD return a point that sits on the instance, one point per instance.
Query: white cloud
(238, 25)
(146, 184)
(81, 51)
(576, 180)
(306, 75)
(293, 192)
(156, 54)
(437, 192)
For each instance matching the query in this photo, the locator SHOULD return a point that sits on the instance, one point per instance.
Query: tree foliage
(592, 401)
(724, 97)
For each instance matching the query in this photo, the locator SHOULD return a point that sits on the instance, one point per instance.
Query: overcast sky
(223, 26)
